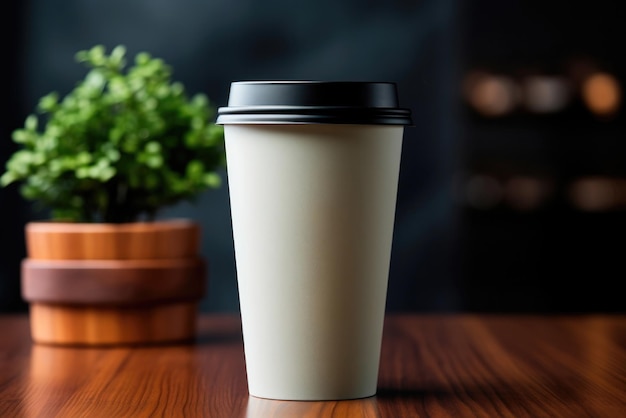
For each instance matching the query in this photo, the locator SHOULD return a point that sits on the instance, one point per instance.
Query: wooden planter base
(92, 325)
(107, 284)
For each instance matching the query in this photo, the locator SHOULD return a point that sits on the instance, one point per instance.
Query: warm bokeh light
(491, 95)
(602, 94)
(546, 94)
(526, 193)
(598, 194)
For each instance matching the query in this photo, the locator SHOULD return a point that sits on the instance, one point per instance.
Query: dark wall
(543, 228)
(451, 252)
(13, 210)
(210, 44)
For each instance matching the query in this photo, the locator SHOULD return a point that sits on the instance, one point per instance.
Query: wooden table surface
(431, 366)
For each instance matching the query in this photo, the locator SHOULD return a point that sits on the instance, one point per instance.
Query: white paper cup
(312, 206)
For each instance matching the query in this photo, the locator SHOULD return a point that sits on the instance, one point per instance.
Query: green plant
(124, 143)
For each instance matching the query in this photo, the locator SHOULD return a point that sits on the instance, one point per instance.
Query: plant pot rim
(176, 238)
(105, 227)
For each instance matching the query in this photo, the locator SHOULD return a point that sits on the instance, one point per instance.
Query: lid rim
(313, 101)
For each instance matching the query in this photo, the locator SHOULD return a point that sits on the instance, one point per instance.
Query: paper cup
(312, 175)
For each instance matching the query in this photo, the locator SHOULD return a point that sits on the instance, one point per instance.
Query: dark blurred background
(512, 191)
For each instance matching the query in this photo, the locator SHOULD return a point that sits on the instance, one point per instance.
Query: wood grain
(105, 284)
(431, 366)
(101, 241)
(113, 282)
(113, 325)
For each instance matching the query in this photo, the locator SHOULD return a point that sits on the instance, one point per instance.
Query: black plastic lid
(339, 102)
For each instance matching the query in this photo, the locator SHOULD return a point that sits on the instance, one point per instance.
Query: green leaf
(21, 136)
(31, 123)
(154, 161)
(132, 129)
(8, 178)
(153, 147)
(212, 180)
(117, 56)
(49, 102)
(95, 80)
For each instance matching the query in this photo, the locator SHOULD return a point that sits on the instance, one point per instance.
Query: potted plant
(124, 143)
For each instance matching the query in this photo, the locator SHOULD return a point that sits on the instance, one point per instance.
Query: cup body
(313, 212)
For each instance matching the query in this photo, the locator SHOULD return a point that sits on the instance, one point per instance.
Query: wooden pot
(113, 284)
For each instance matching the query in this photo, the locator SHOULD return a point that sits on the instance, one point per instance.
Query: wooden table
(431, 366)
